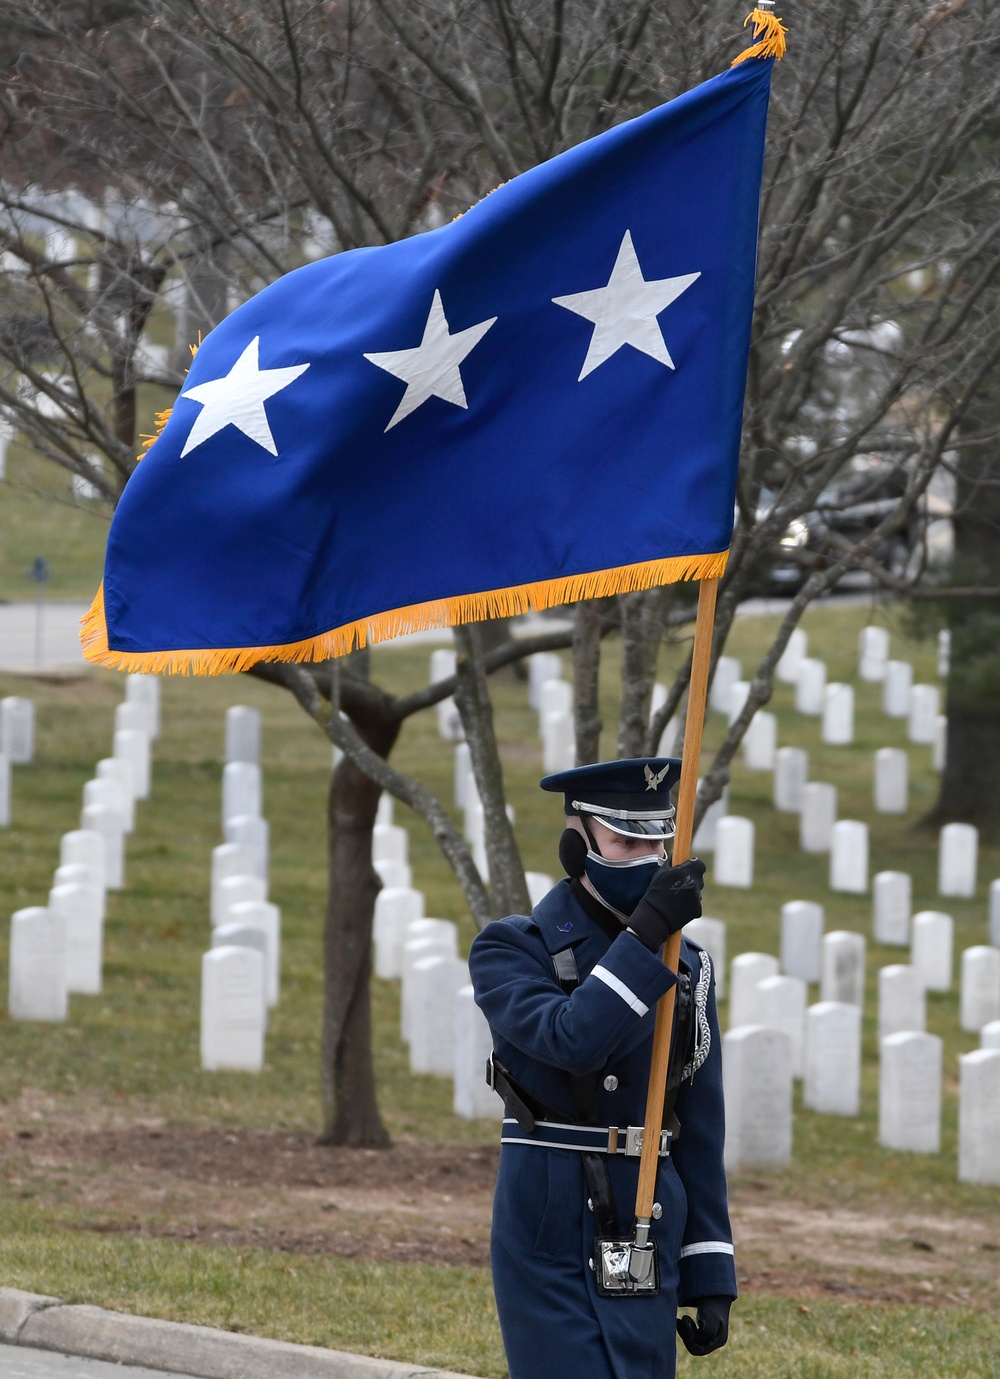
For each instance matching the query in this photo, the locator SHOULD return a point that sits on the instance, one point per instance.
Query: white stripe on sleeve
(620, 989)
(707, 1247)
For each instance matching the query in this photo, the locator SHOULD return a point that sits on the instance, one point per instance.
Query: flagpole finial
(768, 34)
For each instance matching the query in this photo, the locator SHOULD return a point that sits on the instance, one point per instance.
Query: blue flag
(539, 402)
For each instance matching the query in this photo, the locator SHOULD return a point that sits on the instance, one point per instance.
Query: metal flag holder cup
(629, 1268)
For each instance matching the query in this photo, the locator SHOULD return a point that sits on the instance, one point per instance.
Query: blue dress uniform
(554, 1323)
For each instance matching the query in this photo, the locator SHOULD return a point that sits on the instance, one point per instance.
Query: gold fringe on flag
(418, 617)
(768, 37)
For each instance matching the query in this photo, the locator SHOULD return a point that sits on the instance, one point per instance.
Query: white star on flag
(431, 369)
(625, 311)
(238, 400)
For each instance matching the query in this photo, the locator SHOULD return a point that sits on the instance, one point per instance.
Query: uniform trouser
(553, 1324)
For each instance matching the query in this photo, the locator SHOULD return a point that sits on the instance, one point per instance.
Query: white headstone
(396, 907)
(757, 1081)
(394, 873)
(17, 730)
(669, 745)
(82, 911)
(781, 1004)
(738, 692)
(426, 939)
(539, 883)
(819, 814)
(727, 671)
(896, 689)
(228, 859)
(243, 734)
(710, 934)
(474, 823)
(957, 860)
(891, 780)
(473, 1099)
(980, 999)
(233, 890)
(244, 936)
(787, 669)
(542, 666)
(232, 1009)
(909, 1092)
(390, 843)
(842, 968)
(241, 789)
(760, 742)
(939, 752)
(873, 653)
(902, 1002)
(554, 696)
(791, 771)
(838, 715)
(133, 746)
(84, 847)
(132, 715)
(849, 856)
(734, 839)
(832, 1073)
(108, 822)
(5, 793)
(979, 1117)
(145, 690)
(994, 912)
(443, 665)
(892, 893)
(802, 939)
(434, 986)
(558, 742)
(109, 792)
(707, 830)
(810, 686)
(37, 965)
(463, 770)
(254, 834)
(266, 917)
(747, 971)
(118, 770)
(78, 874)
(944, 654)
(924, 713)
(989, 1035)
(933, 936)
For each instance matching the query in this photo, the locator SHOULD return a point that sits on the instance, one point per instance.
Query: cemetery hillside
(144, 1171)
(656, 353)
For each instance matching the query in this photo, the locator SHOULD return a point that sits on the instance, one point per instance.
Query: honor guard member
(570, 994)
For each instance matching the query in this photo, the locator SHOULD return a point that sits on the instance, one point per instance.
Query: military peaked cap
(630, 797)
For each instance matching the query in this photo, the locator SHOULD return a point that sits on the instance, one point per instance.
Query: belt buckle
(633, 1142)
(490, 1074)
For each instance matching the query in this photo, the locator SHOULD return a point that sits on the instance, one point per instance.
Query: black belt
(585, 1139)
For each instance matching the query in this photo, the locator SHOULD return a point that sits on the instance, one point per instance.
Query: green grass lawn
(136, 1045)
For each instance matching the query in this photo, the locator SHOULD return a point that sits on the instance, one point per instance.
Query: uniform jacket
(553, 1322)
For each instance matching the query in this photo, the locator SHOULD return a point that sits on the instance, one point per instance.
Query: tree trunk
(350, 1107)
(972, 768)
(586, 675)
(642, 631)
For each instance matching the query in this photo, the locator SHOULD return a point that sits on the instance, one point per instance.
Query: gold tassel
(418, 617)
(768, 35)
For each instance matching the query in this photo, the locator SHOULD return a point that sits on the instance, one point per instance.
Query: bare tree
(254, 136)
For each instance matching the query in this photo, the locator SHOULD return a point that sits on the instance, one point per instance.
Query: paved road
(59, 642)
(19, 1362)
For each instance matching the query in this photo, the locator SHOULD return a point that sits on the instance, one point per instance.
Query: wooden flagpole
(701, 660)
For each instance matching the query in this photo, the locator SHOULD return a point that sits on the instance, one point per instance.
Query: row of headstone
(241, 971)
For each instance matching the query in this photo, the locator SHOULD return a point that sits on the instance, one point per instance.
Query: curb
(44, 1323)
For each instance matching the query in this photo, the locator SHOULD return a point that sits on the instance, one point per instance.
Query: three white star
(238, 400)
(625, 311)
(431, 369)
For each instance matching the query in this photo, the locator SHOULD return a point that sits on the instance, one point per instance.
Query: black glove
(712, 1329)
(673, 897)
